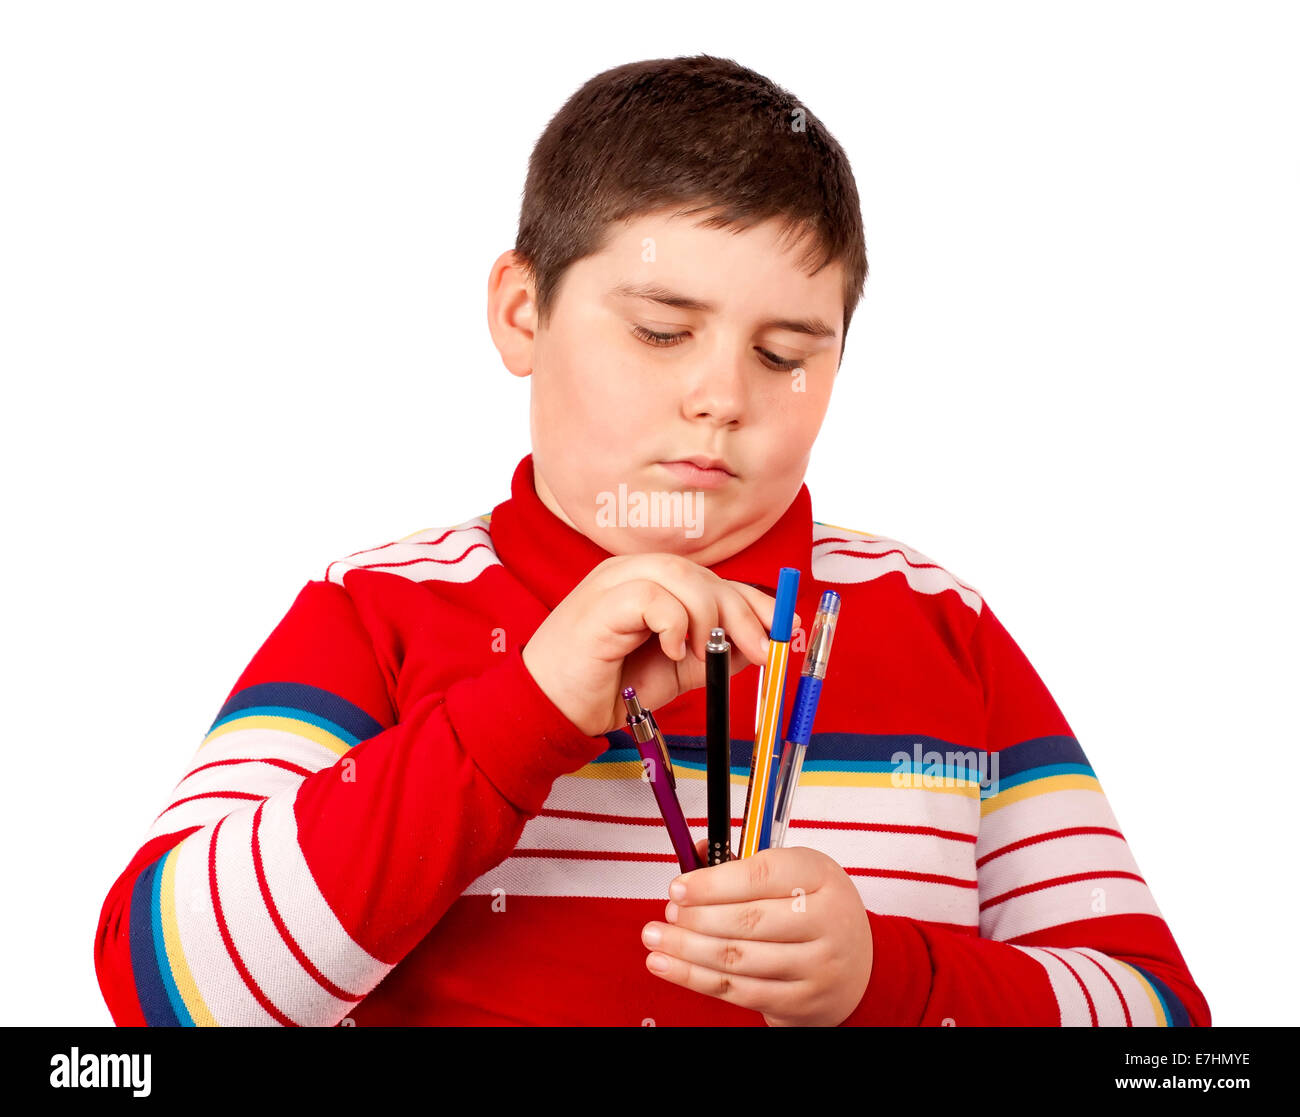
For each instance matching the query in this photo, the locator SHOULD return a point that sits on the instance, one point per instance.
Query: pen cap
(823, 632)
(787, 587)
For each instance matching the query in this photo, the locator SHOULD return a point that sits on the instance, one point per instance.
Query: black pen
(717, 694)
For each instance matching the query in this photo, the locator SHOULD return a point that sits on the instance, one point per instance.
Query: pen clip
(663, 749)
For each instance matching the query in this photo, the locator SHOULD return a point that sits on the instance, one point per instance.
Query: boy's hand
(597, 640)
(783, 932)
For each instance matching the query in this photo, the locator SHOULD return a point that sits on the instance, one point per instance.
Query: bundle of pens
(767, 811)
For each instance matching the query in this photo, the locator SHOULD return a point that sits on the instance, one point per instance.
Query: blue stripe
(305, 703)
(1034, 759)
(1174, 1011)
(823, 748)
(1040, 752)
(183, 1016)
(851, 752)
(149, 988)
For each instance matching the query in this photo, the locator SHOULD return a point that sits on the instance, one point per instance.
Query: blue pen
(799, 732)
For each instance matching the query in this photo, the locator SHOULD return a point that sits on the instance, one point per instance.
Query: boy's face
(610, 407)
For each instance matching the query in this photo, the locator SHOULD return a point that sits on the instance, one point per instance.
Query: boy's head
(690, 253)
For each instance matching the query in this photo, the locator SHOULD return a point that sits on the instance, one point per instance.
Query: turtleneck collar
(550, 558)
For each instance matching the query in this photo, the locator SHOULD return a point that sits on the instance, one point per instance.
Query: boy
(419, 803)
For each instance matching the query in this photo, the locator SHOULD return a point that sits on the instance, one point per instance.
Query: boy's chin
(645, 540)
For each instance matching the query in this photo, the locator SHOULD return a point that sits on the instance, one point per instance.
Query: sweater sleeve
(1069, 932)
(315, 839)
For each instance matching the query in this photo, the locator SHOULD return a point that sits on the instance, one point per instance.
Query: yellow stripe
(180, 969)
(1039, 787)
(1150, 992)
(305, 729)
(618, 770)
(632, 769)
(850, 530)
(760, 772)
(949, 785)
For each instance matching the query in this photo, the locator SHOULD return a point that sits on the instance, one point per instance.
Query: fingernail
(677, 890)
(658, 963)
(652, 936)
(670, 913)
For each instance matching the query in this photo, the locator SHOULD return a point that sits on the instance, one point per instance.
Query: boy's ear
(512, 313)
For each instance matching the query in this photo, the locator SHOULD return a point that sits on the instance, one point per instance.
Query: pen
(799, 732)
(653, 748)
(717, 706)
(760, 771)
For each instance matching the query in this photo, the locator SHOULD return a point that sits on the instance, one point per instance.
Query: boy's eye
(665, 341)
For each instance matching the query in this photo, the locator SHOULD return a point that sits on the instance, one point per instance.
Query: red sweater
(390, 823)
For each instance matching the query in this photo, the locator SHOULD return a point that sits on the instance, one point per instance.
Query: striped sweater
(390, 823)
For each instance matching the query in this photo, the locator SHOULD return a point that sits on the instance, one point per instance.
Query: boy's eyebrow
(815, 327)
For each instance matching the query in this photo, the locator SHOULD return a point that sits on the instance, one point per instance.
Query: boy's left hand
(783, 932)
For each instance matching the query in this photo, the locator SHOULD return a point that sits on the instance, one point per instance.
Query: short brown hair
(704, 130)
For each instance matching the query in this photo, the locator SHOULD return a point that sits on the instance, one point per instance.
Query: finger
(746, 624)
(764, 608)
(783, 961)
(784, 920)
(766, 995)
(684, 579)
(641, 604)
(768, 874)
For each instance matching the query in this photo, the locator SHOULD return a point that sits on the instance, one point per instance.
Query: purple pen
(658, 767)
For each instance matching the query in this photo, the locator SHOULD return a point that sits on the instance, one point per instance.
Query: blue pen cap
(787, 587)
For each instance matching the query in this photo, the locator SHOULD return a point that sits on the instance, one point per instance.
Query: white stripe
(849, 848)
(261, 780)
(277, 744)
(899, 806)
(639, 880)
(1070, 1000)
(306, 913)
(945, 809)
(219, 984)
(264, 952)
(1065, 903)
(198, 812)
(936, 903)
(923, 574)
(831, 539)
(633, 797)
(1105, 1001)
(256, 940)
(1134, 991)
(1056, 857)
(1036, 814)
(420, 554)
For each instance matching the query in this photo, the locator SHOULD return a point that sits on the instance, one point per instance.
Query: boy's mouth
(710, 474)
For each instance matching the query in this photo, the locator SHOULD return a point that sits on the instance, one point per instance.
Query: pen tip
(629, 692)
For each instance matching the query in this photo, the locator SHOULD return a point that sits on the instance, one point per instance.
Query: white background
(243, 270)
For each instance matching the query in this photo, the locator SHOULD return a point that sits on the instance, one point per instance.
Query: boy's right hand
(594, 643)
